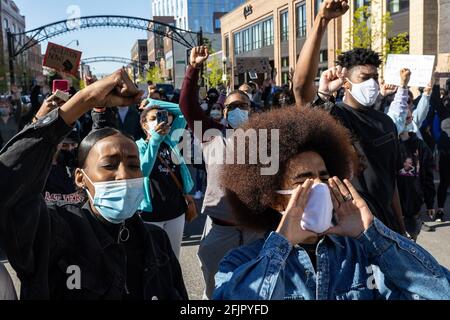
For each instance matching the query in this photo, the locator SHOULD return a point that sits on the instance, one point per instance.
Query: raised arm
(421, 112)
(398, 109)
(24, 166)
(308, 61)
(189, 103)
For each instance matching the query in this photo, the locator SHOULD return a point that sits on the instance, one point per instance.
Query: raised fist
(331, 9)
(198, 56)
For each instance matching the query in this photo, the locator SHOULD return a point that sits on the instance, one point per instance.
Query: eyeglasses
(236, 105)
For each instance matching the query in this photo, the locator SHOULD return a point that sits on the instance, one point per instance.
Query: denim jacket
(380, 264)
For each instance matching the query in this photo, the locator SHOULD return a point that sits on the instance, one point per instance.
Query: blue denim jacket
(380, 264)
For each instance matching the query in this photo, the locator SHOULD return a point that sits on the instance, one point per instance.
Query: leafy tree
(214, 72)
(154, 74)
(362, 35)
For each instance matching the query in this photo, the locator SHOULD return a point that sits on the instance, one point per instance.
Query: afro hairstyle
(251, 194)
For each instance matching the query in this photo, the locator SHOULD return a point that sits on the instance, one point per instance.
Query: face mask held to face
(318, 213)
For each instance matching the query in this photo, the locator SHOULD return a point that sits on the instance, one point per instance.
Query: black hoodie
(415, 176)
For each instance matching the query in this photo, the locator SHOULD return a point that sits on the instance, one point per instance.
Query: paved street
(437, 243)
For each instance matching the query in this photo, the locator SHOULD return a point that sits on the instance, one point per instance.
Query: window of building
(323, 56)
(227, 47)
(285, 77)
(395, 6)
(317, 4)
(284, 26)
(361, 3)
(300, 20)
(285, 62)
(256, 34)
(321, 70)
(237, 43)
(268, 32)
(217, 24)
(246, 35)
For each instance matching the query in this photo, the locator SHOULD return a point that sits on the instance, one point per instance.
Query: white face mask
(318, 213)
(237, 118)
(152, 125)
(204, 106)
(366, 93)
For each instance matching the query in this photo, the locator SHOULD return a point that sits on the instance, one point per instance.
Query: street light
(224, 61)
(78, 43)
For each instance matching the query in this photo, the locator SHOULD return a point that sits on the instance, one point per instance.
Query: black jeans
(413, 225)
(444, 172)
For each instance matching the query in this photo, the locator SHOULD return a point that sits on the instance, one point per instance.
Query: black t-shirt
(167, 199)
(375, 137)
(60, 187)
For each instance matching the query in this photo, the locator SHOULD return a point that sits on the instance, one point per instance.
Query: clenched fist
(198, 56)
(331, 9)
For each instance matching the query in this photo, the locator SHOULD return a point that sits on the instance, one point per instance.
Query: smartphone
(162, 116)
(64, 96)
(61, 85)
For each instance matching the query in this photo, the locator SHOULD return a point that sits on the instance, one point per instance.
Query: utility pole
(200, 43)
(11, 56)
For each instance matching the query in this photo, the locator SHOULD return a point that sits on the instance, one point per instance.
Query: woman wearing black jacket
(100, 251)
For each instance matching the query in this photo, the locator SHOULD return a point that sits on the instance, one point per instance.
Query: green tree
(362, 35)
(154, 74)
(214, 72)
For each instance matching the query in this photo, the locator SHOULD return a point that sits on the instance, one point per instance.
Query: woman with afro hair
(322, 240)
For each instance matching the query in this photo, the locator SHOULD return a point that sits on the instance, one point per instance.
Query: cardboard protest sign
(421, 69)
(62, 59)
(257, 65)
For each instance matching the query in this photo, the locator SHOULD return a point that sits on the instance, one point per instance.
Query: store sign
(248, 10)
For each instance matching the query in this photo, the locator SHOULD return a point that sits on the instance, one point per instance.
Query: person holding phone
(164, 204)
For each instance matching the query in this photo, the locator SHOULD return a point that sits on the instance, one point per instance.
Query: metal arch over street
(112, 59)
(20, 42)
(186, 38)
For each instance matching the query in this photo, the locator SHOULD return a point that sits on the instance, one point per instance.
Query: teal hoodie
(148, 152)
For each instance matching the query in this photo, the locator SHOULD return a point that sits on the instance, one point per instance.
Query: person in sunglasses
(221, 232)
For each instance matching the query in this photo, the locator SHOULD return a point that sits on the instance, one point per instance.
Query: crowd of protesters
(100, 182)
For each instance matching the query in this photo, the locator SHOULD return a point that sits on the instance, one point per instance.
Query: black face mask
(212, 98)
(67, 158)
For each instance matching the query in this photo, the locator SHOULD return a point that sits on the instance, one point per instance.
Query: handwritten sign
(62, 59)
(258, 65)
(421, 69)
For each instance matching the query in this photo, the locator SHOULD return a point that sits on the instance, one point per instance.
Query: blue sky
(93, 42)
